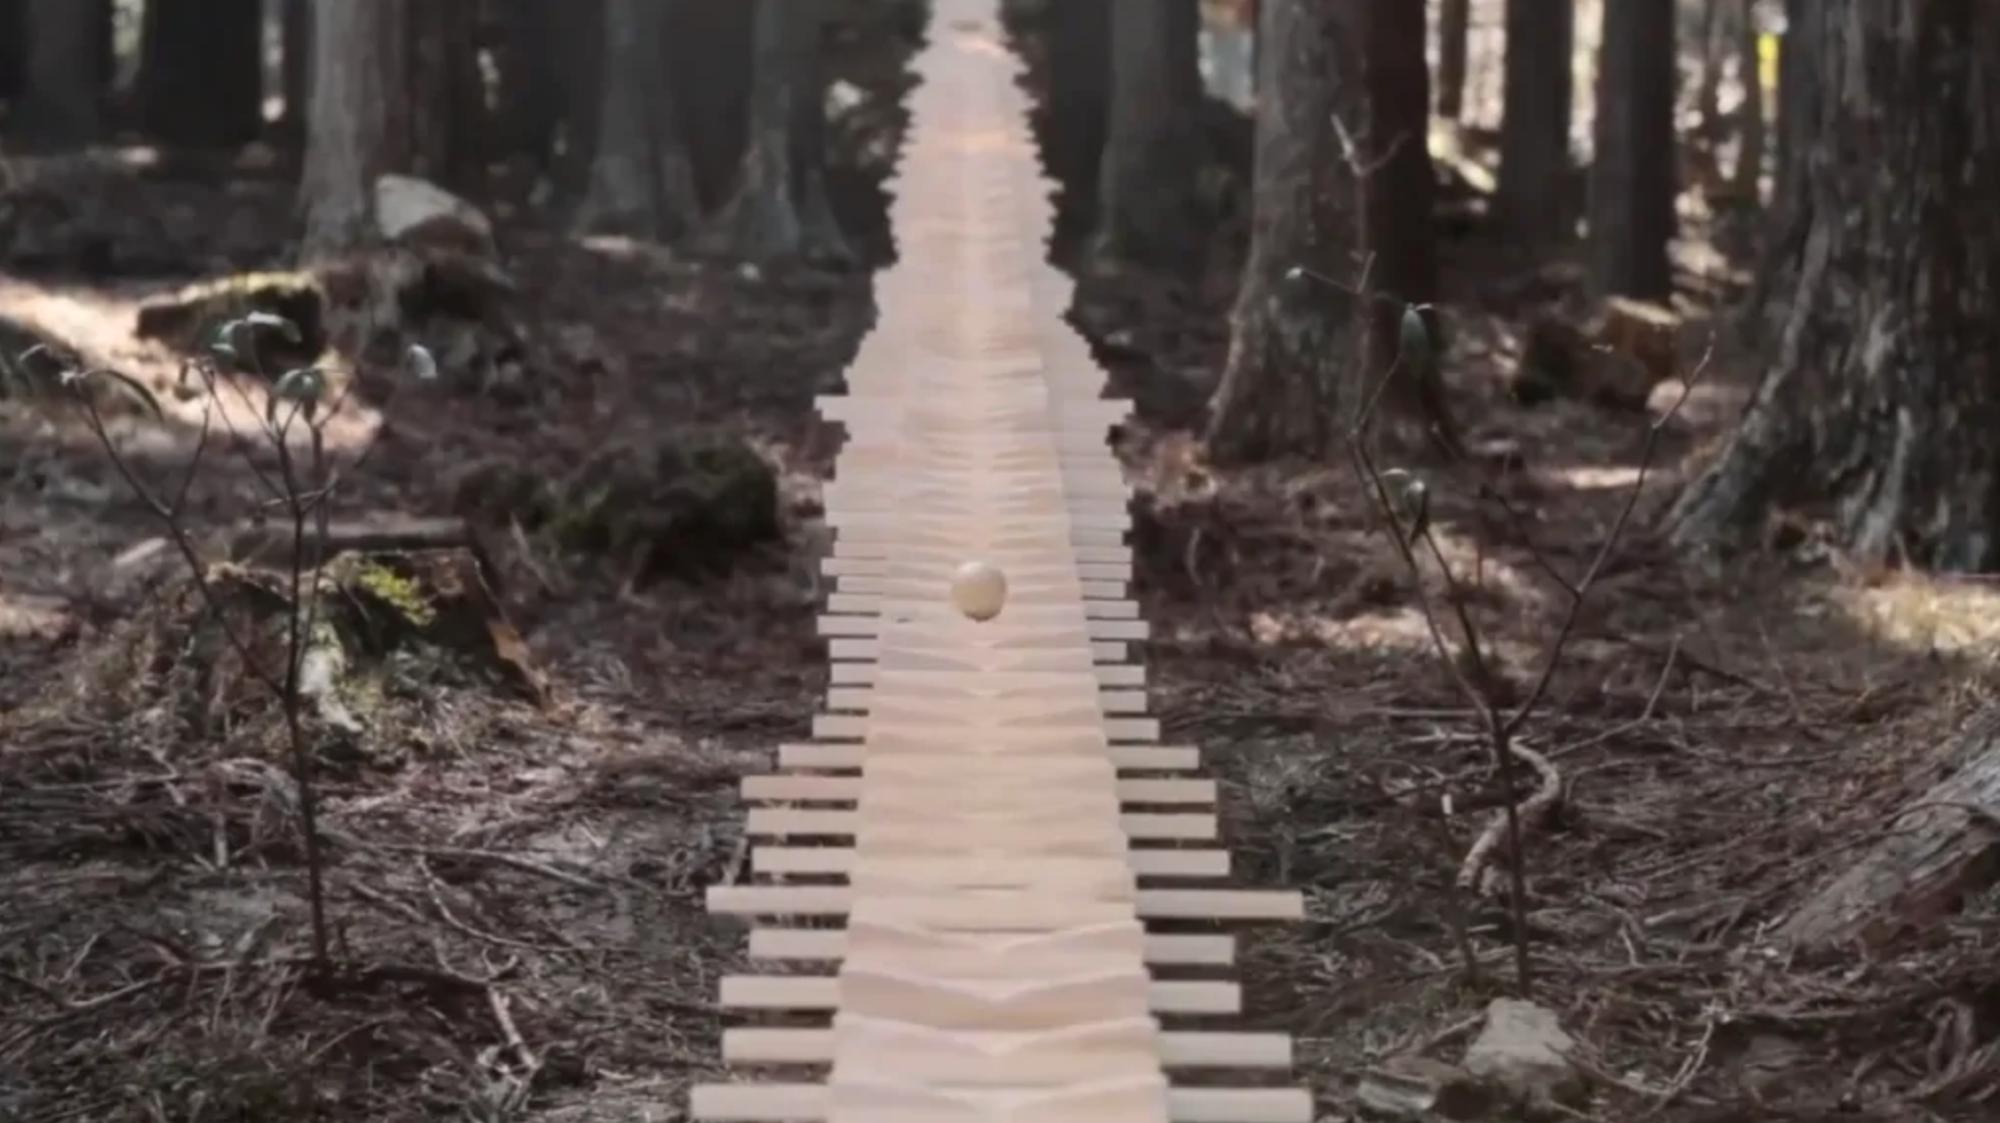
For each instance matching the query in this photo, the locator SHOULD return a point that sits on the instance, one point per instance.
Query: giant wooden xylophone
(1010, 838)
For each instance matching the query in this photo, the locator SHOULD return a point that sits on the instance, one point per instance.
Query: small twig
(514, 860)
(1689, 1070)
(496, 1000)
(452, 920)
(1604, 550)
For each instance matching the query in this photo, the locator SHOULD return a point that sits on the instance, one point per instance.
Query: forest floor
(515, 874)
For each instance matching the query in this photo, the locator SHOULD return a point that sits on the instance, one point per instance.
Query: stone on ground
(1524, 1050)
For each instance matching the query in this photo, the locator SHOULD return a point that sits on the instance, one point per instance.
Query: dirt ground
(515, 884)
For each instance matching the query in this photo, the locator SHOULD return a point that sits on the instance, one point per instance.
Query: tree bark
(201, 76)
(640, 181)
(580, 78)
(1078, 114)
(1789, 216)
(711, 49)
(1149, 210)
(1939, 848)
(297, 63)
(445, 93)
(1532, 201)
(780, 210)
(13, 49)
(1293, 344)
(1798, 106)
(359, 126)
(1454, 30)
(61, 104)
(1708, 95)
(530, 97)
(1750, 130)
(1880, 407)
(1632, 179)
(1398, 199)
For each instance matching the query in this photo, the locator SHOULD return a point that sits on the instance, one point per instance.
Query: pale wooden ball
(979, 590)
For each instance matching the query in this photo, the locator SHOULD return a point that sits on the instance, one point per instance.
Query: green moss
(396, 591)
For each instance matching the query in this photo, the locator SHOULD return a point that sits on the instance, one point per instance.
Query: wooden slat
(822, 992)
(831, 943)
(809, 1103)
(1152, 904)
(756, 1045)
(828, 860)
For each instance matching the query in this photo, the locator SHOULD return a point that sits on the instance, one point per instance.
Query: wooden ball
(979, 590)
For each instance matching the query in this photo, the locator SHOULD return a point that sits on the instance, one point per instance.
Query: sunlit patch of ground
(1959, 617)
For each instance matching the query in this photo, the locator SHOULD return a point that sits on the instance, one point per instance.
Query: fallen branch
(1471, 875)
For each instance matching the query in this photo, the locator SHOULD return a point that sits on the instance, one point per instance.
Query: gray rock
(417, 213)
(1421, 1088)
(1524, 1050)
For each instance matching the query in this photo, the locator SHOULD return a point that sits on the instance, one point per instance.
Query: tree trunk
(1398, 199)
(1632, 179)
(13, 49)
(530, 116)
(1798, 106)
(1149, 211)
(580, 79)
(824, 240)
(1532, 202)
(710, 51)
(1078, 115)
(1708, 96)
(1750, 119)
(201, 77)
(1790, 212)
(359, 126)
(445, 94)
(1454, 30)
(61, 105)
(1881, 407)
(297, 63)
(1293, 346)
(1939, 849)
(640, 181)
(779, 210)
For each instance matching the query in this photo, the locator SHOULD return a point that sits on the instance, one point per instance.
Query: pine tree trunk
(641, 183)
(1078, 114)
(1790, 213)
(580, 78)
(1149, 213)
(1708, 96)
(445, 96)
(1293, 346)
(297, 73)
(825, 243)
(13, 49)
(201, 76)
(1880, 410)
(1632, 179)
(530, 99)
(1532, 200)
(1798, 106)
(1454, 31)
(61, 104)
(711, 49)
(359, 126)
(1750, 120)
(1398, 200)
(774, 215)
